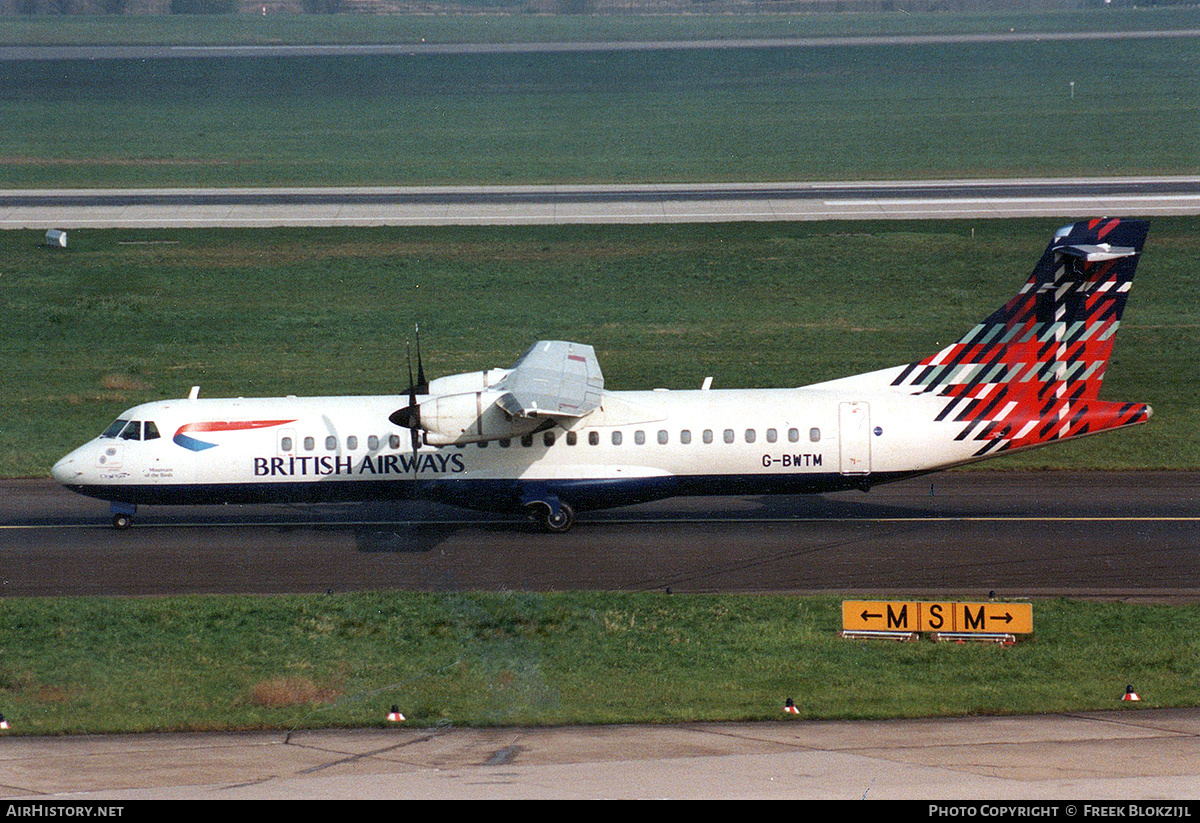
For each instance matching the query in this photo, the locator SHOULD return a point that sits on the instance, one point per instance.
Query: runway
(193, 52)
(1133, 536)
(560, 204)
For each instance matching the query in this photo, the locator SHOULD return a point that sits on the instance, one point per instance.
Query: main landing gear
(550, 514)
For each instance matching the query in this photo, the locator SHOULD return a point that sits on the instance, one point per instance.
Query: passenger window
(814, 435)
(548, 438)
(393, 441)
(639, 437)
(330, 443)
(685, 436)
(572, 438)
(593, 438)
(151, 431)
(772, 435)
(309, 444)
(352, 443)
(527, 440)
(728, 435)
(751, 436)
(662, 438)
(285, 444)
(793, 435)
(708, 436)
(504, 442)
(617, 437)
(482, 444)
(372, 442)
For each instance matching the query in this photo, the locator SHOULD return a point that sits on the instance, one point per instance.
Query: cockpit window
(115, 428)
(132, 430)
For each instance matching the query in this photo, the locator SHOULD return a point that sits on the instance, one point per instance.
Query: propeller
(410, 416)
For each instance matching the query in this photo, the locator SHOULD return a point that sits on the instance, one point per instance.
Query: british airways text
(386, 464)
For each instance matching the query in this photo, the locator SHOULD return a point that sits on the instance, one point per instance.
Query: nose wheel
(122, 515)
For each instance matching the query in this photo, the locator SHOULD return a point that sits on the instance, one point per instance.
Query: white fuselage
(636, 446)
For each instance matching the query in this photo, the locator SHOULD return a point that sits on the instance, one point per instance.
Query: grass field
(128, 316)
(853, 112)
(204, 663)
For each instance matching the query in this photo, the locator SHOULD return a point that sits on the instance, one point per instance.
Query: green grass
(204, 663)
(115, 320)
(852, 112)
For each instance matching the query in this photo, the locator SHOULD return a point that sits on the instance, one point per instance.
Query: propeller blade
(422, 384)
(410, 416)
(412, 387)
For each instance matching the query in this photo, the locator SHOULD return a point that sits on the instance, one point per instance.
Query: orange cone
(1130, 694)
(394, 715)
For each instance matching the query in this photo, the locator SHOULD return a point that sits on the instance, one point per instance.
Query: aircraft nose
(66, 471)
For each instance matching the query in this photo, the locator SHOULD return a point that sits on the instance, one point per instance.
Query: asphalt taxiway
(260, 50)
(1127, 755)
(67, 209)
(1131, 535)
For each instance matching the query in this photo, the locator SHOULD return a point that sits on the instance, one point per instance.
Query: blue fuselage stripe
(488, 495)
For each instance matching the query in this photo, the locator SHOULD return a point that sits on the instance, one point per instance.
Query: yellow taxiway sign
(921, 616)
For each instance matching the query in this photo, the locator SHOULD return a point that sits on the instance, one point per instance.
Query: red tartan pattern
(1031, 372)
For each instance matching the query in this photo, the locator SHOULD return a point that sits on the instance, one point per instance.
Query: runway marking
(1032, 199)
(624, 521)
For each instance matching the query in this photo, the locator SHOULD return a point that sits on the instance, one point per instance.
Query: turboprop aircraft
(546, 437)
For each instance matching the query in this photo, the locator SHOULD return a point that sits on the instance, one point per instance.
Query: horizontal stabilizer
(1096, 254)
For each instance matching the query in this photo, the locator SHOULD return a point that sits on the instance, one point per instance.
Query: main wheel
(560, 521)
(541, 513)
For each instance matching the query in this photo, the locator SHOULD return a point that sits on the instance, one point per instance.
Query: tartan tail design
(1031, 372)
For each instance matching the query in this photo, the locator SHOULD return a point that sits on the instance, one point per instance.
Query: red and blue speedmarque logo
(182, 438)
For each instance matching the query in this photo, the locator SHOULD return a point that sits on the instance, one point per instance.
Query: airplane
(546, 438)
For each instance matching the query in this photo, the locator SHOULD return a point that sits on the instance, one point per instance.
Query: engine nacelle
(472, 381)
(472, 417)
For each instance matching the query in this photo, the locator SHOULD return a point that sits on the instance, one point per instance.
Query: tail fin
(1030, 373)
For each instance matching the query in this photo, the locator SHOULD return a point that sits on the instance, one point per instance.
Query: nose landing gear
(122, 515)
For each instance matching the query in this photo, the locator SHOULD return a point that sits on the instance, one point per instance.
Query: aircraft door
(854, 437)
